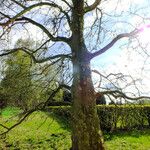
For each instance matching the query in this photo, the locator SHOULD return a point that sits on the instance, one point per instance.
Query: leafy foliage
(17, 80)
(24, 83)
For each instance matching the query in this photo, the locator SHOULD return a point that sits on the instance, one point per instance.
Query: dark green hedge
(124, 117)
(113, 117)
(55, 103)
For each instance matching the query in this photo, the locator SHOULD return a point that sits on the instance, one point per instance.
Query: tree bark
(86, 127)
(86, 133)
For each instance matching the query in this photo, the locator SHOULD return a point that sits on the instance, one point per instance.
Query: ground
(47, 131)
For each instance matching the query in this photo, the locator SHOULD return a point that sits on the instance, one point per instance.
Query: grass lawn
(44, 131)
(133, 140)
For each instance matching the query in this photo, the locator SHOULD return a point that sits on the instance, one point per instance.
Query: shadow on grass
(62, 121)
(124, 133)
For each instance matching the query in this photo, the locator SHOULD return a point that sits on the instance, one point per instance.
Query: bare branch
(92, 7)
(67, 3)
(117, 38)
(21, 5)
(119, 94)
(40, 106)
(6, 16)
(4, 126)
(27, 9)
(66, 86)
(62, 56)
(9, 52)
(18, 123)
(55, 39)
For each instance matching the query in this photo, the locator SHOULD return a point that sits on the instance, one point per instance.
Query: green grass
(46, 131)
(39, 131)
(10, 111)
(131, 140)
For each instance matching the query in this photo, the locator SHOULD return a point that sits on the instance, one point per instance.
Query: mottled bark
(86, 127)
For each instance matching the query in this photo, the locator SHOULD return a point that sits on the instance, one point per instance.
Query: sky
(128, 59)
(124, 58)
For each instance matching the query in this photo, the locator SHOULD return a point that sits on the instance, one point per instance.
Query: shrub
(100, 100)
(123, 117)
(3, 101)
(113, 117)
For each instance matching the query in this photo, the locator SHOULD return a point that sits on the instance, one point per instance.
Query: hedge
(114, 117)
(124, 116)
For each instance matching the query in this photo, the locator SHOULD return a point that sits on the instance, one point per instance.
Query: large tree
(63, 24)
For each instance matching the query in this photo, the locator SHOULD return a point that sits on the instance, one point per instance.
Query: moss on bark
(86, 130)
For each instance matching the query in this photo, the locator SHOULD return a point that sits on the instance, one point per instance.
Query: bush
(67, 96)
(124, 116)
(108, 117)
(100, 100)
(60, 103)
(61, 111)
(113, 117)
(3, 101)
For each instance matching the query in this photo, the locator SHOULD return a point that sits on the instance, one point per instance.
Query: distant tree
(17, 84)
(100, 100)
(67, 96)
(45, 80)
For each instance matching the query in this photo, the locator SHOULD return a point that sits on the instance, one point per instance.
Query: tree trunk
(86, 133)
(86, 127)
